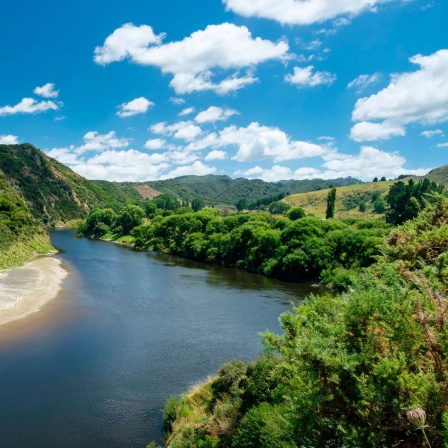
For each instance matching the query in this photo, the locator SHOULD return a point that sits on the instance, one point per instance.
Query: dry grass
(315, 202)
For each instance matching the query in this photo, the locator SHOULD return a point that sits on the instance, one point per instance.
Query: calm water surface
(142, 327)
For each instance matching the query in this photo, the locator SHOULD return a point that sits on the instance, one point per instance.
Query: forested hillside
(52, 191)
(21, 236)
(224, 190)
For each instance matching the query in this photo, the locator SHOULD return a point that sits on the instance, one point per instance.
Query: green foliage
(295, 213)
(241, 204)
(406, 201)
(331, 203)
(362, 206)
(197, 204)
(379, 205)
(278, 208)
(52, 191)
(347, 369)
(295, 248)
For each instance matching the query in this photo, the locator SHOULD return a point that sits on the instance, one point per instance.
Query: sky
(271, 89)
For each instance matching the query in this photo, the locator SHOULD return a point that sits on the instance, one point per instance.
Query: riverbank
(25, 290)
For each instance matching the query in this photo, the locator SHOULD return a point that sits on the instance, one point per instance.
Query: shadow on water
(142, 327)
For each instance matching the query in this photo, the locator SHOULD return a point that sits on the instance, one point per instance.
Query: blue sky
(271, 89)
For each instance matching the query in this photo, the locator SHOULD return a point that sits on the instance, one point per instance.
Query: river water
(133, 328)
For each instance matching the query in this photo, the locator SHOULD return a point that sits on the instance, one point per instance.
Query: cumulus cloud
(93, 141)
(299, 12)
(8, 139)
(368, 163)
(216, 155)
(187, 111)
(214, 113)
(304, 77)
(364, 81)
(47, 91)
(134, 107)
(155, 143)
(430, 134)
(258, 142)
(197, 168)
(191, 60)
(442, 145)
(413, 97)
(28, 106)
(367, 131)
(184, 130)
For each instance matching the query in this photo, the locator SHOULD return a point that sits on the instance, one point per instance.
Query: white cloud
(364, 81)
(9, 139)
(155, 143)
(122, 165)
(304, 77)
(442, 145)
(47, 91)
(177, 101)
(93, 141)
(430, 134)
(413, 97)
(274, 174)
(185, 130)
(257, 142)
(370, 162)
(134, 107)
(197, 168)
(187, 111)
(309, 46)
(214, 113)
(367, 131)
(60, 118)
(299, 12)
(191, 60)
(28, 106)
(216, 155)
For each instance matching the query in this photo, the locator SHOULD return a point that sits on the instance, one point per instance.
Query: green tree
(295, 213)
(362, 206)
(379, 206)
(130, 216)
(197, 204)
(241, 204)
(331, 203)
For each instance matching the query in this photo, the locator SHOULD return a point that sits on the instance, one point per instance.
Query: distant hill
(53, 192)
(439, 175)
(225, 190)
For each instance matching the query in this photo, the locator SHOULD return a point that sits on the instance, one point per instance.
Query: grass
(21, 252)
(347, 200)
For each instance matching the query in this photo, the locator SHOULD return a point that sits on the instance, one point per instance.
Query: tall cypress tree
(331, 203)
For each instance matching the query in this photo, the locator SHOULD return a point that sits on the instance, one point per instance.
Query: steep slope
(21, 237)
(53, 192)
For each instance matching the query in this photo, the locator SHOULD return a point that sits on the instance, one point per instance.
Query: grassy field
(347, 200)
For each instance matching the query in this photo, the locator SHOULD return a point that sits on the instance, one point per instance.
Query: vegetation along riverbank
(366, 368)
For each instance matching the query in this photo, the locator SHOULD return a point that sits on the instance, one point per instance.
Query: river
(131, 329)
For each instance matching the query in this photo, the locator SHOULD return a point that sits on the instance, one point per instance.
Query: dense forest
(367, 368)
